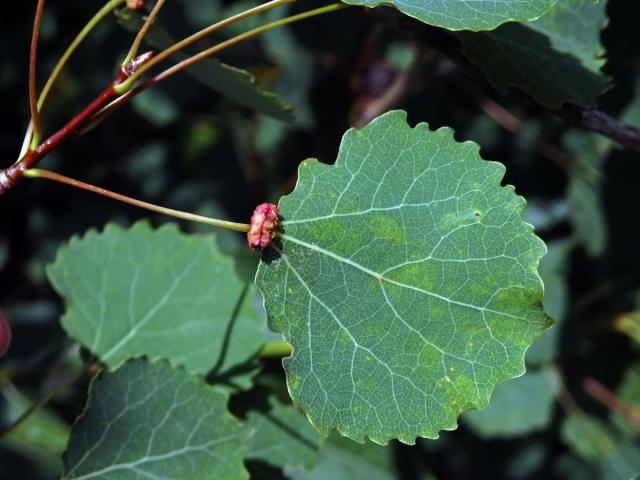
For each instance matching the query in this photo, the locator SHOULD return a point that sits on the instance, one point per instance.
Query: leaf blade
(335, 285)
(464, 15)
(555, 59)
(181, 429)
(158, 293)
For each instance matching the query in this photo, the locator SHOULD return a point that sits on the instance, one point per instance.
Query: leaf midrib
(382, 278)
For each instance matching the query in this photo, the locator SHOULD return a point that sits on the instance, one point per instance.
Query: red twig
(11, 176)
(609, 400)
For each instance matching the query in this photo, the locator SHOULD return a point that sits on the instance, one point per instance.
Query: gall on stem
(134, 64)
(5, 334)
(262, 227)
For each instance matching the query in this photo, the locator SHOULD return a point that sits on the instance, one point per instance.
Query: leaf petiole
(181, 45)
(191, 217)
(135, 46)
(41, 403)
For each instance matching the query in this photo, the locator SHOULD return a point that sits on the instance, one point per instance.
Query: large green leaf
(158, 293)
(555, 59)
(282, 437)
(517, 408)
(405, 280)
(464, 14)
(150, 420)
(234, 83)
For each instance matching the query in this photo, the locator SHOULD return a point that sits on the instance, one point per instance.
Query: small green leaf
(343, 459)
(599, 444)
(405, 280)
(555, 59)
(574, 27)
(515, 56)
(517, 408)
(463, 14)
(629, 324)
(282, 437)
(234, 83)
(158, 293)
(149, 420)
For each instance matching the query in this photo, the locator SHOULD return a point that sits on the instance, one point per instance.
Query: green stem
(91, 24)
(204, 33)
(126, 85)
(56, 177)
(40, 403)
(275, 349)
(135, 46)
(103, 12)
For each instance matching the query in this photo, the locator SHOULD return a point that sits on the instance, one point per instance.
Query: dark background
(183, 146)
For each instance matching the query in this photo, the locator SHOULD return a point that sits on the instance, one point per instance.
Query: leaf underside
(282, 437)
(405, 280)
(464, 14)
(555, 59)
(158, 293)
(150, 420)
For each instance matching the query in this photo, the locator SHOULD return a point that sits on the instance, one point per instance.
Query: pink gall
(263, 223)
(134, 64)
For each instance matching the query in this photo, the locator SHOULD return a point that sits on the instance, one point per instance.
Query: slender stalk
(26, 142)
(56, 177)
(181, 45)
(91, 24)
(245, 36)
(41, 403)
(130, 93)
(33, 89)
(135, 46)
(126, 85)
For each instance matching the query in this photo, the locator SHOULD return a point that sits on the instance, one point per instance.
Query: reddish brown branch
(33, 90)
(600, 122)
(609, 400)
(11, 176)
